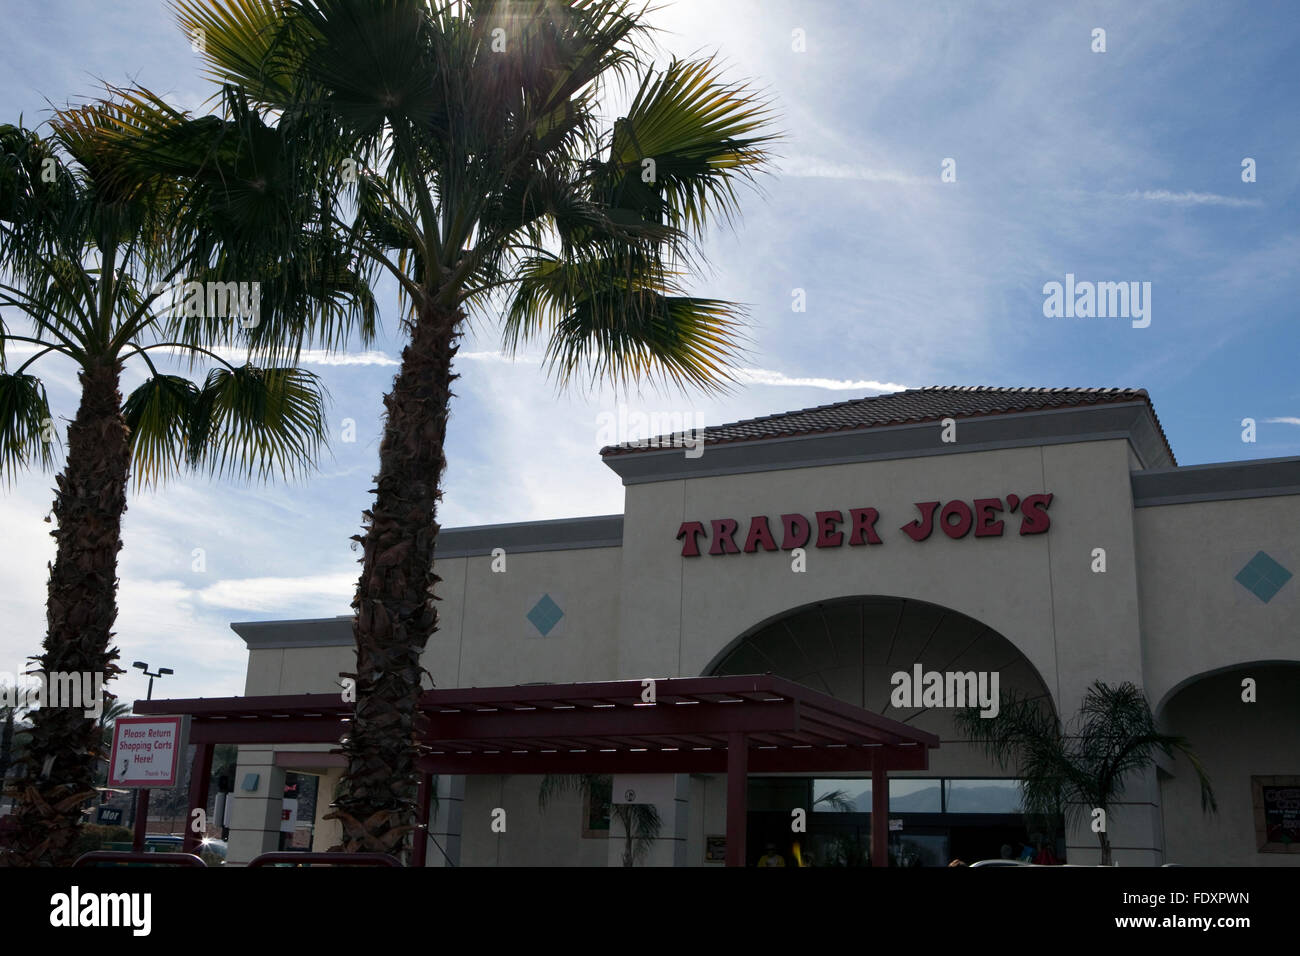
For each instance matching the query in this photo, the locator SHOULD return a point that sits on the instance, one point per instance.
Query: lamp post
(142, 797)
(162, 672)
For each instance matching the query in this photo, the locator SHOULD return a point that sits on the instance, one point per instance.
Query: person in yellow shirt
(770, 857)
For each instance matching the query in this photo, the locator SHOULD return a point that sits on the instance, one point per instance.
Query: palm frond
(250, 43)
(255, 422)
(256, 210)
(159, 414)
(641, 825)
(1086, 766)
(554, 785)
(26, 426)
(837, 800)
(702, 136)
(612, 318)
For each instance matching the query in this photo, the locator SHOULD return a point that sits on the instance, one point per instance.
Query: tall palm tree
(88, 256)
(1082, 768)
(13, 734)
(463, 139)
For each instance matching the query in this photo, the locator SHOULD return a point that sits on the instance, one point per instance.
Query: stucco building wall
(1166, 610)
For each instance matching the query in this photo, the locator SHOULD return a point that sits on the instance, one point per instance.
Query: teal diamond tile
(1263, 577)
(545, 615)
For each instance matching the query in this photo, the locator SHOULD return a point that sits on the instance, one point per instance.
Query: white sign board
(288, 815)
(147, 752)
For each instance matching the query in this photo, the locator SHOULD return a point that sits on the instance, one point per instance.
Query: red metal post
(141, 820)
(737, 797)
(421, 845)
(879, 811)
(200, 771)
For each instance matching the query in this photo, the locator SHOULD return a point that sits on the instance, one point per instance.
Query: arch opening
(857, 649)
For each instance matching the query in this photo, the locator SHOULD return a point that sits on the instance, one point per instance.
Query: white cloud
(280, 595)
(321, 357)
(498, 357)
(1190, 198)
(761, 376)
(809, 168)
(311, 357)
(1283, 421)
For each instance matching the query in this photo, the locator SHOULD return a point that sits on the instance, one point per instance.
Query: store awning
(734, 725)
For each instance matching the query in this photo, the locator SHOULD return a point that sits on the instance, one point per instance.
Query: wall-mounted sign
(147, 751)
(1277, 813)
(715, 849)
(985, 517)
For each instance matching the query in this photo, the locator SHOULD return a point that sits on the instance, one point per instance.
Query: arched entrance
(1243, 723)
(965, 806)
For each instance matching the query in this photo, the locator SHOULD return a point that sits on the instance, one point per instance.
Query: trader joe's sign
(980, 518)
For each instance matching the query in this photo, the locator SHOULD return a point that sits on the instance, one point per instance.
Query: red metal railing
(131, 856)
(328, 859)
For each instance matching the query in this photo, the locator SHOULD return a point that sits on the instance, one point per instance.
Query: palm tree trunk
(80, 612)
(395, 612)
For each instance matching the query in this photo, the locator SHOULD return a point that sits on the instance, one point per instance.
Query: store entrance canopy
(734, 725)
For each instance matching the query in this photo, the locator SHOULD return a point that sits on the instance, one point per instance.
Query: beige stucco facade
(1167, 613)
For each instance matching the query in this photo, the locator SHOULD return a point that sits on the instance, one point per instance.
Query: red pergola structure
(735, 725)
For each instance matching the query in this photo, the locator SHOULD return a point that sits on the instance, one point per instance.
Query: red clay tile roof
(911, 406)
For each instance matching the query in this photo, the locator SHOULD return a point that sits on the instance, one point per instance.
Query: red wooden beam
(815, 760)
(200, 771)
(420, 846)
(616, 722)
(737, 795)
(879, 813)
(320, 730)
(141, 820)
(306, 760)
(229, 706)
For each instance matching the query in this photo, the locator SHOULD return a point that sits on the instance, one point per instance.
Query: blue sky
(1117, 166)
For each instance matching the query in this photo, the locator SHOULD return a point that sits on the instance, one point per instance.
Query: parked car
(211, 851)
(1002, 863)
(163, 843)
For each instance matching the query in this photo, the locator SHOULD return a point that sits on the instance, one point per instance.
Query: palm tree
(87, 257)
(1078, 770)
(462, 143)
(641, 821)
(13, 731)
(838, 801)
(107, 718)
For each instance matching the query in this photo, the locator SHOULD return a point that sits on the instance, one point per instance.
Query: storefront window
(597, 805)
(982, 796)
(837, 795)
(778, 793)
(915, 796)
